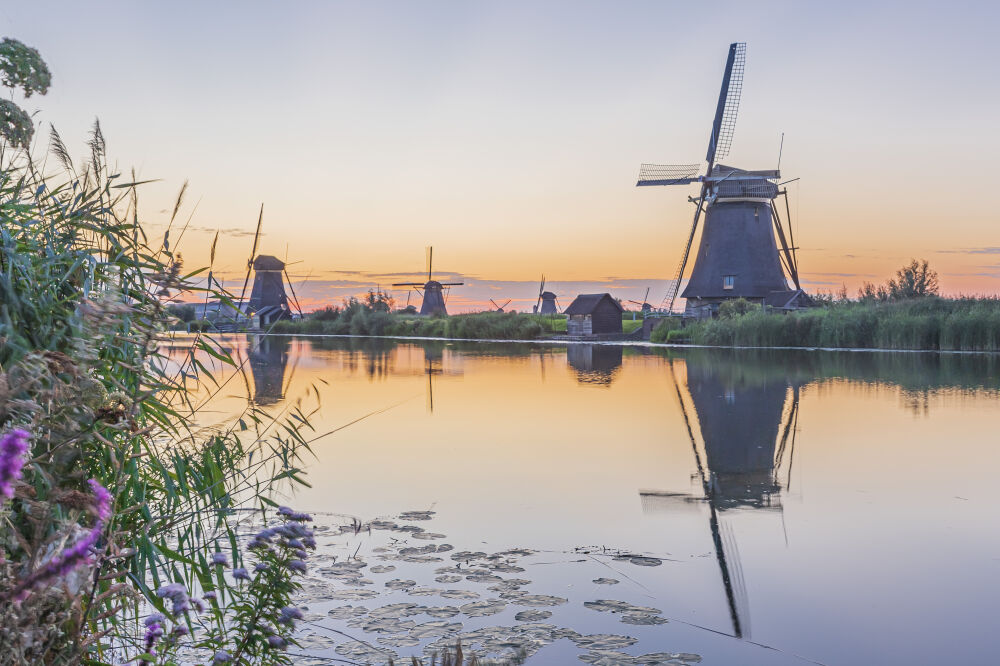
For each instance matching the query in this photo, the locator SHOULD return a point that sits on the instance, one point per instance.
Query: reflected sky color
(509, 135)
(866, 534)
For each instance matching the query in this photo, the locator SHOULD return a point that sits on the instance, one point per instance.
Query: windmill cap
(548, 294)
(265, 262)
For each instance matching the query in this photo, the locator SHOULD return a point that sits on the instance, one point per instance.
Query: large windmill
(433, 291)
(738, 256)
(547, 302)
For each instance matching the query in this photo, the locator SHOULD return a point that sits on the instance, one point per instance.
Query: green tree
(21, 67)
(735, 308)
(915, 280)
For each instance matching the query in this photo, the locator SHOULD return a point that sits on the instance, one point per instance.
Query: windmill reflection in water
(268, 361)
(747, 422)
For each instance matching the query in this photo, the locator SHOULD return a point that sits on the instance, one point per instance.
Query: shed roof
(265, 262)
(786, 299)
(586, 304)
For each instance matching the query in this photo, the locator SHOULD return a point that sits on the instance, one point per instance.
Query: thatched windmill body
(433, 291)
(547, 302)
(738, 256)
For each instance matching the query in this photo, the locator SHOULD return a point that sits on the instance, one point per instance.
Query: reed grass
(927, 323)
(83, 305)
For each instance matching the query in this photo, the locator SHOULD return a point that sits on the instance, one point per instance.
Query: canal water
(631, 504)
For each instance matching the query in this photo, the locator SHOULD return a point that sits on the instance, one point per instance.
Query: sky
(509, 135)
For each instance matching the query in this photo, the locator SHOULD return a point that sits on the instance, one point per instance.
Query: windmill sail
(724, 124)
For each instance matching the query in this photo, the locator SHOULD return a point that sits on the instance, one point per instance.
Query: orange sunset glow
(510, 138)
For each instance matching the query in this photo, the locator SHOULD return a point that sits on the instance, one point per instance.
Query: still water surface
(774, 507)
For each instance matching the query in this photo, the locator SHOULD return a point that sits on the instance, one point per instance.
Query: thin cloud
(973, 250)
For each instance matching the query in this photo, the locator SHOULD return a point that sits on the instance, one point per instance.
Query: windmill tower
(738, 256)
(268, 299)
(546, 303)
(433, 291)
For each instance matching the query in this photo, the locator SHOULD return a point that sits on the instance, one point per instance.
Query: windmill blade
(494, 304)
(253, 255)
(724, 123)
(294, 297)
(506, 304)
(430, 261)
(541, 290)
(672, 290)
(786, 254)
(667, 174)
(645, 298)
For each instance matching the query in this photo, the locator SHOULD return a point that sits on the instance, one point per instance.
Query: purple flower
(198, 604)
(241, 574)
(301, 554)
(13, 446)
(153, 632)
(154, 618)
(276, 641)
(289, 514)
(288, 614)
(297, 565)
(219, 559)
(73, 556)
(222, 657)
(178, 596)
(209, 596)
(309, 541)
(260, 566)
(180, 630)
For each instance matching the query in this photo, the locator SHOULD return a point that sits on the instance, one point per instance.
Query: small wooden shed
(594, 314)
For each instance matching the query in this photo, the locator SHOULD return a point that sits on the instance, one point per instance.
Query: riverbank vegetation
(369, 316)
(125, 531)
(903, 313)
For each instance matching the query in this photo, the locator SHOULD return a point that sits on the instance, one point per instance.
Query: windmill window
(728, 281)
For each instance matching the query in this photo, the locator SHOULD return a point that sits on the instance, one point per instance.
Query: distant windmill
(737, 256)
(499, 308)
(547, 303)
(268, 299)
(644, 306)
(433, 293)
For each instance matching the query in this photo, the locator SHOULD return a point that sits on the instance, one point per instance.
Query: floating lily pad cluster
(377, 623)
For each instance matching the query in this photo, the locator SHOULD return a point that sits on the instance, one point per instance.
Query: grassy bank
(360, 320)
(481, 326)
(929, 323)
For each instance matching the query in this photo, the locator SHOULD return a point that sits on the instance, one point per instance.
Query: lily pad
(533, 615)
(483, 608)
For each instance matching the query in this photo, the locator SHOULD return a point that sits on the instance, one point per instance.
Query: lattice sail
(732, 107)
(665, 174)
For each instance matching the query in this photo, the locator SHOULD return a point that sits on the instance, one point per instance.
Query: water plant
(113, 503)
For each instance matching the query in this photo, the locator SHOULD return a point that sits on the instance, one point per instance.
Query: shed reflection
(595, 364)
